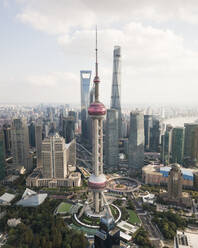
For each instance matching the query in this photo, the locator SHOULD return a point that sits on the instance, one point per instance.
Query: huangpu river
(179, 121)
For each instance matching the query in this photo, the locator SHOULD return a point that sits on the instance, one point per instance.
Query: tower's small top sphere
(96, 79)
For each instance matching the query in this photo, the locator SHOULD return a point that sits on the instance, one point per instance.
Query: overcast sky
(45, 43)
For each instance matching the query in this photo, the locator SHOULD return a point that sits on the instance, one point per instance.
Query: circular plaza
(122, 185)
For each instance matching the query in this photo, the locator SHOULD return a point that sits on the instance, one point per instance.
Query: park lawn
(133, 218)
(64, 207)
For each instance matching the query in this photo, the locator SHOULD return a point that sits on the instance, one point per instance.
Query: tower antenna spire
(96, 79)
(96, 52)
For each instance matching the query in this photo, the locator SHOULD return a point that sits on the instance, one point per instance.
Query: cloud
(52, 87)
(58, 17)
(54, 79)
(156, 65)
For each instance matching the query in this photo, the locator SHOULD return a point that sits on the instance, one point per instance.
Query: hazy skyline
(45, 43)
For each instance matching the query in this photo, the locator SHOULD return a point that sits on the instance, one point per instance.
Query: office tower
(85, 91)
(31, 130)
(68, 128)
(50, 113)
(60, 125)
(7, 139)
(124, 127)
(45, 130)
(54, 160)
(175, 181)
(116, 86)
(2, 155)
(191, 144)
(111, 139)
(166, 145)
(91, 95)
(38, 142)
(155, 135)
(20, 143)
(136, 141)
(52, 128)
(73, 114)
(108, 235)
(177, 145)
(147, 131)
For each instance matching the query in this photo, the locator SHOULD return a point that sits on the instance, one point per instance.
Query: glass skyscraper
(2, 156)
(85, 77)
(178, 145)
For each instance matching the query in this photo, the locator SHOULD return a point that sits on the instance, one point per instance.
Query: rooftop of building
(125, 236)
(186, 239)
(127, 227)
(7, 198)
(188, 173)
(31, 199)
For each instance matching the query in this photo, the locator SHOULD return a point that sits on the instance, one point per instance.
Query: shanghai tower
(116, 86)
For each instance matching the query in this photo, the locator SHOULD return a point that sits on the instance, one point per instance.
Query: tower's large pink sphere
(97, 108)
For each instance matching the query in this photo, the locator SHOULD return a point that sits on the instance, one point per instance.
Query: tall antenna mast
(96, 79)
(96, 52)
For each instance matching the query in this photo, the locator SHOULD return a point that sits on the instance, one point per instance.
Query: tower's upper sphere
(97, 108)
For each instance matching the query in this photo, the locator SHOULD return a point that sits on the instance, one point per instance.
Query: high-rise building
(124, 127)
(68, 128)
(111, 139)
(38, 142)
(2, 155)
(31, 130)
(177, 145)
(20, 143)
(136, 141)
(58, 165)
(108, 235)
(116, 86)
(166, 145)
(85, 91)
(191, 144)
(147, 131)
(175, 182)
(155, 135)
(54, 160)
(7, 139)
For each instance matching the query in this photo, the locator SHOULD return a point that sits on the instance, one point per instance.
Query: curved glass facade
(85, 78)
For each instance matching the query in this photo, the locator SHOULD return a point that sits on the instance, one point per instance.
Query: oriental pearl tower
(97, 181)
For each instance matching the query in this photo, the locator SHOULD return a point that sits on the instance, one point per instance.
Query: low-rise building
(158, 175)
(31, 199)
(127, 227)
(14, 222)
(187, 239)
(6, 199)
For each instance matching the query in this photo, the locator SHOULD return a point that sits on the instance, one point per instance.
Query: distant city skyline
(45, 44)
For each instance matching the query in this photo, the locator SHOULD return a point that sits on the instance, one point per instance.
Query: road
(84, 157)
(154, 234)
